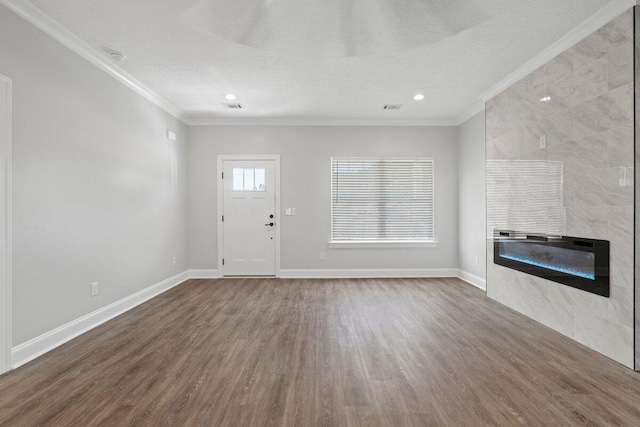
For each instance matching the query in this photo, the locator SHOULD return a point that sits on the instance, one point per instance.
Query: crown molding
(593, 23)
(45, 23)
(316, 122)
(469, 113)
(39, 19)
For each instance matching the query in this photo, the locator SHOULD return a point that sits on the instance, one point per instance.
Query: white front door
(249, 218)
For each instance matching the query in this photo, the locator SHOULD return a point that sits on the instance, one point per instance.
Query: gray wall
(471, 196)
(305, 184)
(98, 191)
(637, 201)
(573, 186)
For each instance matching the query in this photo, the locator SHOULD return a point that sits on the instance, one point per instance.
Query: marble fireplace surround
(560, 160)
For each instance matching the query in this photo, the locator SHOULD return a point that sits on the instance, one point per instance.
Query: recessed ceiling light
(230, 96)
(545, 99)
(419, 97)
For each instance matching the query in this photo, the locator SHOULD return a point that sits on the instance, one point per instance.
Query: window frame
(244, 176)
(346, 244)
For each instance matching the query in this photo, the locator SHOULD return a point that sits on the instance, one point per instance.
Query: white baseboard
(476, 281)
(46, 342)
(203, 274)
(38, 346)
(343, 273)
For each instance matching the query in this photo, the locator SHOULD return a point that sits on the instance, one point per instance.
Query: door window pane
(260, 179)
(238, 179)
(249, 179)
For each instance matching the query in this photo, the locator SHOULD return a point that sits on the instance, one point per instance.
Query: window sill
(382, 244)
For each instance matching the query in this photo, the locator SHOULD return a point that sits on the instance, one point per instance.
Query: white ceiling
(323, 60)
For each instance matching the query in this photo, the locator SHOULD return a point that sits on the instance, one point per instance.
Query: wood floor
(254, 352)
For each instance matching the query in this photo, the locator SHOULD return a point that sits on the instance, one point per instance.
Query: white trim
(46, 342)
(472, 279)
(204, 274)
(44, 22)
(593, 23)
(381, 244)
(470, 113)
(220, 205)
(38, 346)
(368, 273)
(54, 29)
(5, 224)
(217, 121)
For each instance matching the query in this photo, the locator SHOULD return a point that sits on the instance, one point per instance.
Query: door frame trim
(231, 157)
(5, 224)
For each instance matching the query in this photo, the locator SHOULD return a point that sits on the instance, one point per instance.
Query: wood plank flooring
(370, 352)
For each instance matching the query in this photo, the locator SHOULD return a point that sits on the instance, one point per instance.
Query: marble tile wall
(566, 165)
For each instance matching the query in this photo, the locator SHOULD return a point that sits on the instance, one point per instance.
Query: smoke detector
(115, 55)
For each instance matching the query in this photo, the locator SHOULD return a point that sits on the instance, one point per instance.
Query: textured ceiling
(331, 59)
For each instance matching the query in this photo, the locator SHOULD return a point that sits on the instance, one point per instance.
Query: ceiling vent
(233, 106)
(392, 106)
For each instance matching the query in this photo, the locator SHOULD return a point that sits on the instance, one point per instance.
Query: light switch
(626, 177)
(543, 141)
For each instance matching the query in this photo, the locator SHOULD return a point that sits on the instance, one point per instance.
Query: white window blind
(382, 199)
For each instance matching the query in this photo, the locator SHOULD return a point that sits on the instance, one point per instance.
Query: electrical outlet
(287, 211)
(293, 211)
(543, 141)
(94, 289)
(322, 256)
(175, 260)
(477, 261)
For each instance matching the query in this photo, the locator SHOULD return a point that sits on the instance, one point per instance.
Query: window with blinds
(382, 200)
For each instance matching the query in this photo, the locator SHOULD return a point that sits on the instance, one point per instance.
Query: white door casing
(248, 195)
(5, 224)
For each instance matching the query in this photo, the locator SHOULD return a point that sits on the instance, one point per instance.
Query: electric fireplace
(573, 261)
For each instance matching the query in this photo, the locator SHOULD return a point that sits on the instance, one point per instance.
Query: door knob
(270, 224)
